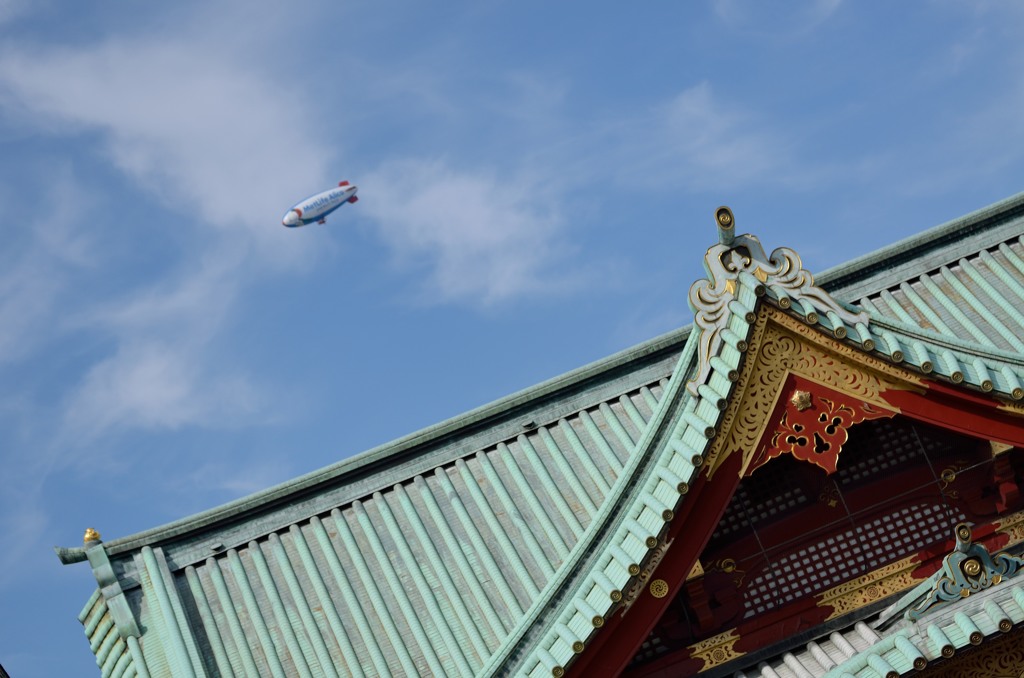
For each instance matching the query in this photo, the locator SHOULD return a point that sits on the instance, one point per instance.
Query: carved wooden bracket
(814, 424)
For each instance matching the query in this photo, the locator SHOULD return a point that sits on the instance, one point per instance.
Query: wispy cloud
(151, 384)
(39, 264)
(478, 238)
(221, 144)
(695, 142)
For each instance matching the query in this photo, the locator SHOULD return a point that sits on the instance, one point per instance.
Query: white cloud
(218, 142)
(38, 265)
(697, 142)
(159, 385)
(480, 239)
(195, 120)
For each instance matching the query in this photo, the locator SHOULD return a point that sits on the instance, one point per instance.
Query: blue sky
(537, 183)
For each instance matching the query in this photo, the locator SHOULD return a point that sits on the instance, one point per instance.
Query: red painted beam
(619, 640)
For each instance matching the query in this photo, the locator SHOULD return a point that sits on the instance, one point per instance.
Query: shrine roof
(498, 541)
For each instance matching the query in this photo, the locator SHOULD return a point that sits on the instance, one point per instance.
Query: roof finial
(726, 225)
(90, 535)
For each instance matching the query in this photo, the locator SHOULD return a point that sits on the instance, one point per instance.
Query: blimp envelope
(317, 207)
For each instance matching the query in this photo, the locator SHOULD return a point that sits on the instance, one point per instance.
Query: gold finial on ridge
(90, 535)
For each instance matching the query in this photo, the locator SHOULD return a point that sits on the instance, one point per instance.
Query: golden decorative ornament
(971, 567)
(920, 663)
(651, 542)
(1005, 625)
(724, 217)
(728, 565)
(996, 578)
(883, 582)
(976, 638)
(597, 621)
(801, 400)
(558, 672)
(634, 569)
(948, 475)
(965, 593)
(659, 588)
(615, 595)
(716, 650)
(963, 530)
(947, 651)
(90, 535)
(578, 646)
(779, 346)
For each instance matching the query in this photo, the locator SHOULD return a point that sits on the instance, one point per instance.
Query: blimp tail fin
(343, 183)
(353, 199)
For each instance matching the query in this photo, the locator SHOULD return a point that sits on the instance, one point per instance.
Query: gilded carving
(969, 569)
(779, 346)
(659, 588)
(801, 400)
(630, 595)
(816, 434)
(716, 650)
(1012, 526)
(882, 583)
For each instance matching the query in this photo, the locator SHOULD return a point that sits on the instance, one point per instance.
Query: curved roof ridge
(886, 266)
(504, 407)
(955, 343)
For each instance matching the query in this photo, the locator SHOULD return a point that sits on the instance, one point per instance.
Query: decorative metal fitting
(90, 535)
(726, 225)
(659, 588)
(969, 569)
(801, 400)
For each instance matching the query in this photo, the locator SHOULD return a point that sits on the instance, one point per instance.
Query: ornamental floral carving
(716, 650)
(816, 434)
(781, 346)
(743, 262)
(874, 586)
(970, 568)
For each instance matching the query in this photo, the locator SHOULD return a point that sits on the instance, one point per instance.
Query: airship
(317, 207)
